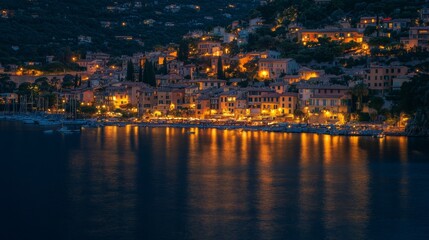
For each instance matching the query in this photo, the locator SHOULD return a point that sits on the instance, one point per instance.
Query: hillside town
(215, 76)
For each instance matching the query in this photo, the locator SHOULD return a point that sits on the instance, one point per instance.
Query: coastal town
(347, 74)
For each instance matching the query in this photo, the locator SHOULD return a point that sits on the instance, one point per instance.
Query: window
(290, 99)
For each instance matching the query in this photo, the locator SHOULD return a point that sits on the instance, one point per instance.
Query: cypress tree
(76, 81)
(130, 71)
(183, 51)
(220, 74)
(164, 66)
(140, 73)
(149, 74)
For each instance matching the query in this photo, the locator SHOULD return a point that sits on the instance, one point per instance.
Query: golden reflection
(403, 148)
(305, 149)
(327, 149)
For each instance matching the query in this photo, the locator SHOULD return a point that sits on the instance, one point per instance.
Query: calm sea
(164, 183)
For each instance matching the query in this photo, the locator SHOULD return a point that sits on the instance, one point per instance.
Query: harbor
(57, 122)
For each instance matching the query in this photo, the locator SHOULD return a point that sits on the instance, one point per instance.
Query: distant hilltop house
(335, 34)
(424, 14)
(365, 22)
(395, 24)
(322, 1)
(149, 22)
(106, 24)
(208, 47)
(6, 13)
(104, 57)
(81, 39)
(91, 66)
(125, 38)
(173, 8)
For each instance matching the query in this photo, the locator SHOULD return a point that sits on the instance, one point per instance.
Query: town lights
(264, 74)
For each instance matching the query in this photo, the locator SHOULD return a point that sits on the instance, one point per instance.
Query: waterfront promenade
(349, 129)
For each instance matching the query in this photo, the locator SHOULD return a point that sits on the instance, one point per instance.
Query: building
(208, 47)
(275, 68)
(418, 38)
(396, 25)
(365, 22)
(335, 34)
(424, 14)
(91, 66)
(104, 57)
(208, 83)
(379, 78)
(322, 1)
(288, 103)
(324, 98)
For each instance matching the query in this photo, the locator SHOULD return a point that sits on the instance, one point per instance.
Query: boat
(47, 122)
(28, 121)
(380, 135)
(50, 131)
(66, 130)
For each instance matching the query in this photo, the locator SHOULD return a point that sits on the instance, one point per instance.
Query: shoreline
(350, 129)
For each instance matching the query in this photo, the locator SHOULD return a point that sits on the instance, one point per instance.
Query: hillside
(30, 30)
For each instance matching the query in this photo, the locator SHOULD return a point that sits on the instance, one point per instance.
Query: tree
(183, 52)
(68, 81)
(220, 74)
(130, 71)
(376, 103)
(6, 85)
(164, 66)
(359, 91)
(76, 81)
(140, 73)
(44, 84)
(149, 74)
(415, 101)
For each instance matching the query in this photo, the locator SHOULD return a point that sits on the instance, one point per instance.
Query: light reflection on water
(167, 183)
